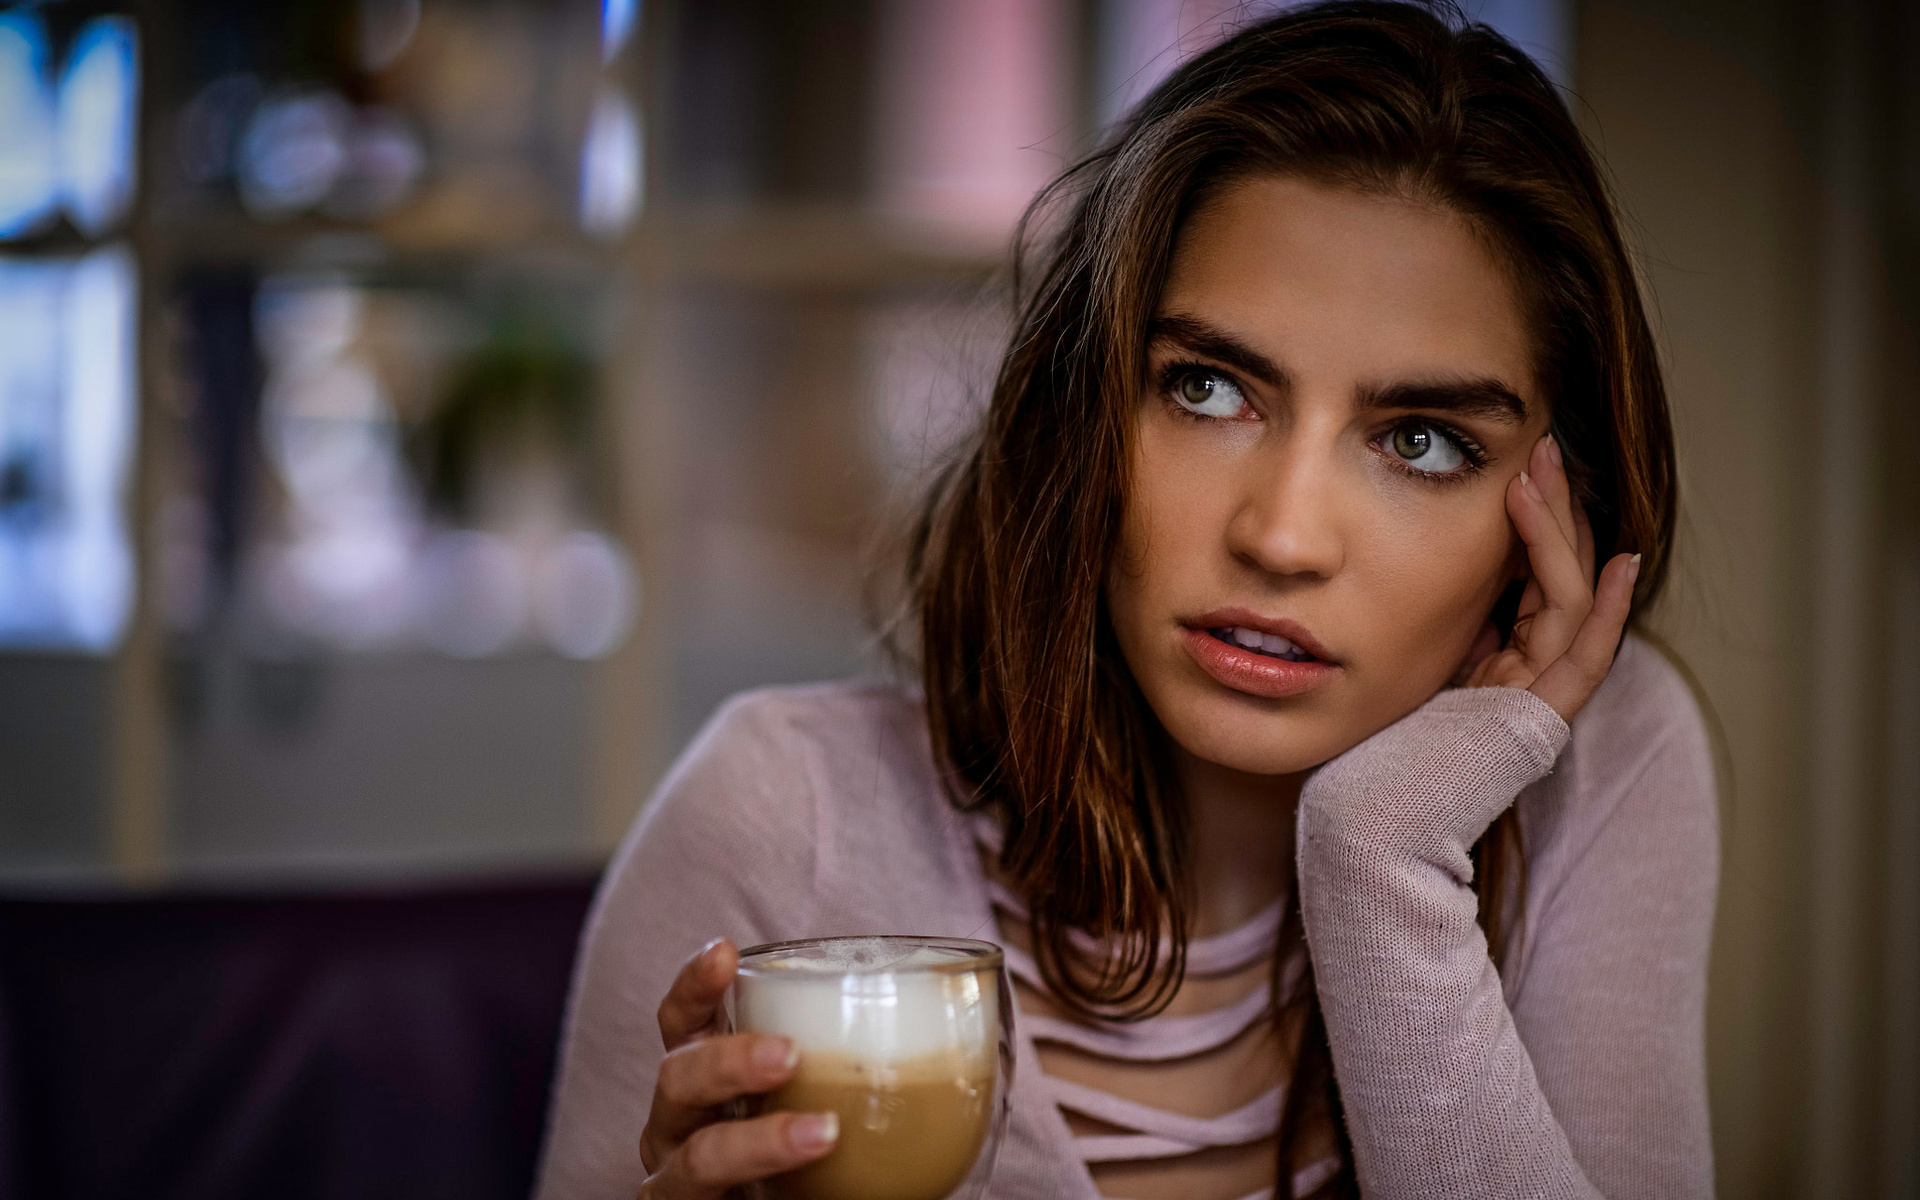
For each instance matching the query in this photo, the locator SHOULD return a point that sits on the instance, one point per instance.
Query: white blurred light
(29, 168)
(611, 166)
(100, 362)
(330, 432)
(384, 160)
(305, 321)
(343, 571)
(617, 19)
(347, 582)
(585, 595)
(473, 599)
(386, 28)
(98, 105)
(67, 411)
(30, 427)
(293, 151)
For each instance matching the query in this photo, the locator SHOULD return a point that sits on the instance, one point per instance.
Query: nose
(1288, 519)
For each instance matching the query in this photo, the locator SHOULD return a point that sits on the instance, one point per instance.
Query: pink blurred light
(975, 109)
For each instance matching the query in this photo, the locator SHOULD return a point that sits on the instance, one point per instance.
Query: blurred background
(416, 415)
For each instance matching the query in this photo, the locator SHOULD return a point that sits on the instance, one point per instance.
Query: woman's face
(1339, 389)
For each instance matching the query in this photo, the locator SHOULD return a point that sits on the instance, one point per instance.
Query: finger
(1549, 473)
(692, 1004)
(1583, 544)
(700, 1076)
(1564, 595)
(1505, 669)
(1569, 681)
(735, 1152)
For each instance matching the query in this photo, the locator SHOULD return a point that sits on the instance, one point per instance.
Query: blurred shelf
(824, 249)
(218, 239)
(808, 249)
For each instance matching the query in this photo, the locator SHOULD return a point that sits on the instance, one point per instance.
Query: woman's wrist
(1435, 778)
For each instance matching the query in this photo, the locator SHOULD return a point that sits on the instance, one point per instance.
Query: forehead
(1340, 284)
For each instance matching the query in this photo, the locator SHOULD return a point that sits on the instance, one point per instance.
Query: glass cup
(908, 1039)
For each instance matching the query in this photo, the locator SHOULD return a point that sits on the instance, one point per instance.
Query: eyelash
(1174, 372)
(1475, 454)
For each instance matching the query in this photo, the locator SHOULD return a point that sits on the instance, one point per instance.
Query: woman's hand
(1568, 629)
(689, 1150)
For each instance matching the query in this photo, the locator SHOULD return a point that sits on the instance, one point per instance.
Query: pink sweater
(816, 811)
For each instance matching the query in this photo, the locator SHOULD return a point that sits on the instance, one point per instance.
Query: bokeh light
(617, 20)
(29, 165)
(99, 102)
(611, 166)
(293, 150)
(67, 378)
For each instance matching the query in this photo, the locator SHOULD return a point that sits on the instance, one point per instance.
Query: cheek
(1166, 515)
(1143, 534)
(1439, 567)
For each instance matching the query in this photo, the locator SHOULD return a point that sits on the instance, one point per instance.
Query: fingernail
(1633, 568)
(776, 1054)
(1553, 449)
(1526, 481)
(816, 1131)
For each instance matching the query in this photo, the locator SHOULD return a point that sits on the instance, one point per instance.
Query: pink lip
(1255, 674)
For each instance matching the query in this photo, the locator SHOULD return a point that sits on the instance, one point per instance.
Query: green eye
(1410, 442)
(1208, 394)
(1427, 449)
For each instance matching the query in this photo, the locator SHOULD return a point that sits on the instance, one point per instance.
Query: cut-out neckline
(1145, 1132)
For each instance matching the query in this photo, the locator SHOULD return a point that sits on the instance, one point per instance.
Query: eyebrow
(1210, 341)
(1468, 397)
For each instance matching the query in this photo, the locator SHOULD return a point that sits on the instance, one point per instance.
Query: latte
(902, 1039)
(908, 1131)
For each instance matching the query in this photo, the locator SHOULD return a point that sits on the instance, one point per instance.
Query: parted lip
(1246, 618)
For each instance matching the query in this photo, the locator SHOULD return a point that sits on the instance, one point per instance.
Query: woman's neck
(1241, 840)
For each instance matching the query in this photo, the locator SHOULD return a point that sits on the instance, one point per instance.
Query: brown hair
(1029, 700)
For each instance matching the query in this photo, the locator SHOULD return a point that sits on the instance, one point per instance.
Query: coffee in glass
(907, 1040)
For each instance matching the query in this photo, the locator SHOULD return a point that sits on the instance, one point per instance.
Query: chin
(1253, 736)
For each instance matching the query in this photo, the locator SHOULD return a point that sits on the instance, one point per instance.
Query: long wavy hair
(1029, 701)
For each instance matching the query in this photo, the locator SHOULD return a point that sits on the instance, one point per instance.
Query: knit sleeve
(1613, 1007)
(726, 848)
(1437, 1077)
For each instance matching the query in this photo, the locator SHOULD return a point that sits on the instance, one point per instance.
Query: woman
(1273, 712)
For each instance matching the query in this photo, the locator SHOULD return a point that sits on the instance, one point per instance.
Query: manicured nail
(1526, 481)
(816, 1131)
(1633, 568)
(776, 1054)
(1553, 450)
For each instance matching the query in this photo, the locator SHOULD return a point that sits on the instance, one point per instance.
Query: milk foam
(868, 999)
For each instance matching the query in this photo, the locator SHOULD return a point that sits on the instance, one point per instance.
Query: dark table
(398, 1043)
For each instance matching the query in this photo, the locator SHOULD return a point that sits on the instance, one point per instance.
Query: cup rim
(980, 956)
